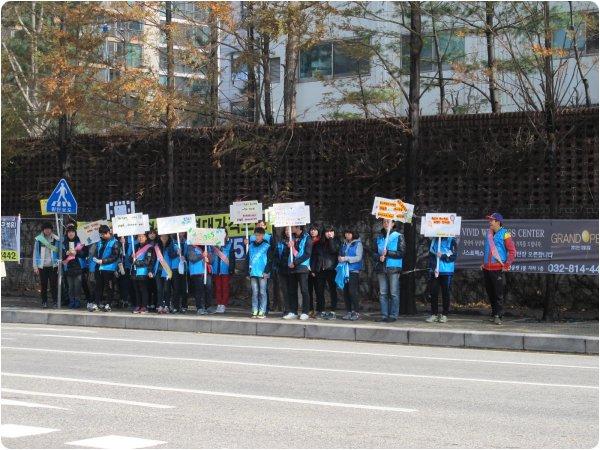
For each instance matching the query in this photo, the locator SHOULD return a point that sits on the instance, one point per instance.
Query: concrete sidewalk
(460, 331)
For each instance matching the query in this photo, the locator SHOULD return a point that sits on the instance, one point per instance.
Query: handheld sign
(119, 208)
(439, 225)
(175, 224)
(393, 209)
(244, 213)
(88, 232)
(131, 224)
(62, 200)
(289, 215)
(206, 236)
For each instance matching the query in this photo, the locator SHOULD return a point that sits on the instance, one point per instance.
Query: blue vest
(258, 257)
(107, 247)
(301, 245)
(218, 265)
(158, 269)
(500, 246)
(142, 271)
(446, 267)
(349, 249)
(38, 253)
(392, 245)
(127, 258)
(175, 261)
(197, 267)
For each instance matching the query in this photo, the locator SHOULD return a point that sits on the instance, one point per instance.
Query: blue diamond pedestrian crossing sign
(62, 200)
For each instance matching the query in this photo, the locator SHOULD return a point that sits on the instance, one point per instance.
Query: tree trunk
(170, 119)
(214, 70)
(550, 310)
(266, 64)
(440, 67)
(491, 55)
(64, 146)
(289, 80)
(584, 80)
(408, 305)
(252, 85)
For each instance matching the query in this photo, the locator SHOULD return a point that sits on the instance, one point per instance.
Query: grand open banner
(543, 246)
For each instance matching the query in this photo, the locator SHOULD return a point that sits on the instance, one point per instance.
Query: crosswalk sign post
(61, 201)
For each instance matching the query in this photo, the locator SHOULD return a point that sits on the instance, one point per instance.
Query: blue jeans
(389, 294)
(259, 294)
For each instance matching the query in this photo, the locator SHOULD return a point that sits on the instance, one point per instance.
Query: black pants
(48, 274)
(326, 277)
(494, 285)
(202, 292)
(126, 289)
(312, 291)
(141, 291)
(293, 280)
(351, 293)
(152, 292)
(443, 281)
(104, 278)
(281, 284)
(179, 290)
(85, 286)
(163, 289)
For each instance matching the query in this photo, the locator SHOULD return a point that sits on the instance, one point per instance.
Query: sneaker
(220, 309)
(354, 316)
(290, 316)
(442, 318)
(311, 314)
(331, 315)
(174, 311)
(93, 307)
(254, 314)
(182, 311)
(159, 310)
(136, 310)
(432, 318)
(166, 310)
(143, 310)
(497, 320)
(151, 308)
(304, 316)
(44, 305)
(491, 318)
(201, 312)
(107, 308)
(347, 316)
(261, 315)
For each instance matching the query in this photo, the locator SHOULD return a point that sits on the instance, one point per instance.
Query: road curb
(348, 332)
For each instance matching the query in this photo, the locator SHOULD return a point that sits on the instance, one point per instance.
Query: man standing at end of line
(499, 254)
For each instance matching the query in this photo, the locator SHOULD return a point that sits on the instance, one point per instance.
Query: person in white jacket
(45, 262)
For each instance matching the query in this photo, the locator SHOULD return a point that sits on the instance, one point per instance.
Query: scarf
(493, 249)
(70, 258)
(162, 262)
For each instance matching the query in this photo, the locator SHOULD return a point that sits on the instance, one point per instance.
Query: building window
(188, 86)
(183, 64)
(275, 70)
(591, 33)
(451, 47)
(188, 11)
(133, 28)
(563, 39)
(239, 70)
(127, 54)
(186, 34)
(333, 59)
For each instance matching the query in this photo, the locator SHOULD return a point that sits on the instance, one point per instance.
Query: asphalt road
(70, 387)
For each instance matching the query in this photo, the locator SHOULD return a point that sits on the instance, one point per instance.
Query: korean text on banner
(245, 212)
(440, 225)
(131, 224)
(10, 245)
(88, 231)
(175, 224)
(393, 209)
(290, 214)
(206, 236)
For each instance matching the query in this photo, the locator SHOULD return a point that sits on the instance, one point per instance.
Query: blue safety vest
(142, 271)
(219, 267)
(258, 257)
(349, 249)
(392, 246)
(197, 267)
(446, 267)
(499, 237)
(103, 251)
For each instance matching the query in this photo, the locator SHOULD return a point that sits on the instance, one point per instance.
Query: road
(71, 387)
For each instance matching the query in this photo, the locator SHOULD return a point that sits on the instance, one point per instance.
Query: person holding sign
(323, 261)
(176, 252)
(259, 270)
(142, 265)
(352, 254)
(199, 259)
(126, 290)
(104, 264)
(45, 262)
(281, 271)
(152, 286)
(223, 267)
(74, 260)
(390, 246)
(163, 274)
(499, 253)
(442, 255)
(301, 249)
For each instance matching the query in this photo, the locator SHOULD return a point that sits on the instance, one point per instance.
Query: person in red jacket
(498, 255)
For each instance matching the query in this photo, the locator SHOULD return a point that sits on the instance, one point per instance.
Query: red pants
(221, 283)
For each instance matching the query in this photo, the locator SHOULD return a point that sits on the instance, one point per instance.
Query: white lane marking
(8, 339)
(114, 441)
(316, 369)
(86, 397)
(11, 402)
(214, 393)
(316, 350)
(70, 329)
(8, 430)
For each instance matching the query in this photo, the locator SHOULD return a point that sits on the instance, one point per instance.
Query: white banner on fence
(245, 212)
(88, 231)
(10, 245)
(394, 209)
(119, 208)
(175, 224)
(290, 214)
(131, 224)
(206, 236)
(440, 225)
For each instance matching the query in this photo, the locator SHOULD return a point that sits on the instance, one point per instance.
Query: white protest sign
(440, 225)
(245, 212)
(175, 224)
(131, 224)
(290, 214)
(394, 209)
(88, 231)
(206, 236)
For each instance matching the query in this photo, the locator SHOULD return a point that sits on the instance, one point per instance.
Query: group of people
(156, 272)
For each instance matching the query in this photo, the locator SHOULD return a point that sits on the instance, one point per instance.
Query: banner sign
(440, 225)
(175, 224)
(206, 236)
(543, 246)
(88, 231)
(393, 209)
(119, 208)
(245, 212)
(131, 224)
(10, 244)
(289, 214)
(43, 210)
